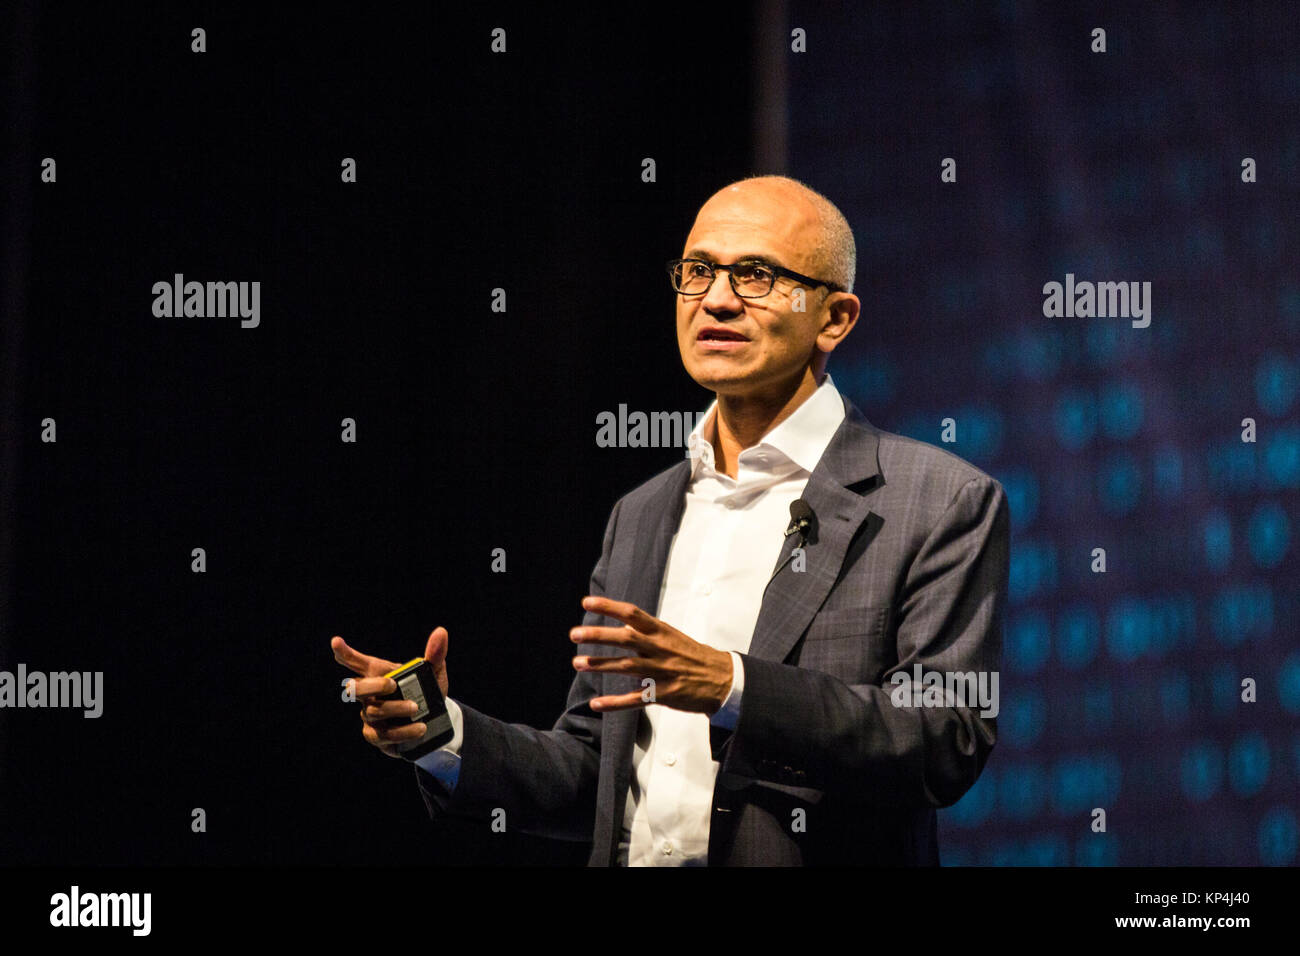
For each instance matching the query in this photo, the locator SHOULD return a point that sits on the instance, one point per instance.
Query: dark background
(476, 429)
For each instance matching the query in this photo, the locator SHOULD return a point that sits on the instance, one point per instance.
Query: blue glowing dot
(1288, 683)
(1128, 631)
(1242, 611)
(1278, 837)
(1021, 488)
(1269, 534)
(1120, 484)
(1277, 380)
(1076, 419)
(1039, 355)
(1202, 771)
(1028, 642)
(1120, 411)
(979, 431)
(1083, 782)
(1032, 570)
(1217, 539)
(1078, 636)
(1282, 458)
(1095, 850)
(1248, 765)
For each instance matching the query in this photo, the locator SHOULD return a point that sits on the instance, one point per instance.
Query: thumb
(435, 652)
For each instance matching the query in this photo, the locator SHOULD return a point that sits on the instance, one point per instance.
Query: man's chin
(741, 389)
(743, 383)
(730, 380)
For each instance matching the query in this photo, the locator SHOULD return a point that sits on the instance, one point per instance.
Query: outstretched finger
(355, 661)
(618, 702)
(624, 611)
(609, 636)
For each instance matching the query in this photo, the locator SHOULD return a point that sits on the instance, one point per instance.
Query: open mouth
(716, 335)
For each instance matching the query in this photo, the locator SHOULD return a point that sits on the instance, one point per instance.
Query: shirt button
(668, 847)
(706, 590)
(670, 759)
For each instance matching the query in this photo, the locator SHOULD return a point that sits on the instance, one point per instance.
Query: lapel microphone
(801, 523)
(801, 519)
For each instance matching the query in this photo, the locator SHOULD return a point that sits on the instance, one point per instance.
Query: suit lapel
(656, 525)
(654, 534)
(792, 598)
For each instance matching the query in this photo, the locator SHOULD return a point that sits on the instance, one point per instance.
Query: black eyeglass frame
(777, 271)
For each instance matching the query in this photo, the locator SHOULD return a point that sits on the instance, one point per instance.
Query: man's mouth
(715, 337)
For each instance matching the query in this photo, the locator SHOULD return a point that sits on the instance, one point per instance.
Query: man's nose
(721, 297)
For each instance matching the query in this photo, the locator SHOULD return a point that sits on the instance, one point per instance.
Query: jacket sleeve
(805, 728)
(544, 780)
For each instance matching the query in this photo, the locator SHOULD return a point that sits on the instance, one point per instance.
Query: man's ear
(842, 310)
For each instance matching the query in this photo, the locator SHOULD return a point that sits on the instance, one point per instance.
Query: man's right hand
(386, 723)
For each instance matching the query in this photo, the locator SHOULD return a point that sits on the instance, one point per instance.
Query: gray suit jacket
(907, 565)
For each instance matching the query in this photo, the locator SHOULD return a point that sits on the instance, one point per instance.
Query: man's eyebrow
(745, 257)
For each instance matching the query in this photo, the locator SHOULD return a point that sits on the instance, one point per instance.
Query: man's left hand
(686, 674)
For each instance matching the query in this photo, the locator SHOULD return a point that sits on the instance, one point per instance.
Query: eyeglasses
(750, 279)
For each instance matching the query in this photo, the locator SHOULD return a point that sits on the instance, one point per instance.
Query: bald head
(834, 251)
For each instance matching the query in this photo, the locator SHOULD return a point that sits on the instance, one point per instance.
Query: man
(734, 701)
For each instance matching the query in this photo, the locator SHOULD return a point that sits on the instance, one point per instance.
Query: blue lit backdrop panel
(1119, 690)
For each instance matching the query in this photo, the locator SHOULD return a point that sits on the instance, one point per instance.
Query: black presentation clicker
(416, 682)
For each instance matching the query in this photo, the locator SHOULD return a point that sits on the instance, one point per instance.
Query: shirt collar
(802, 438)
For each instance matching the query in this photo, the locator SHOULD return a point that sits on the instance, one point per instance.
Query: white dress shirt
(721, 558)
